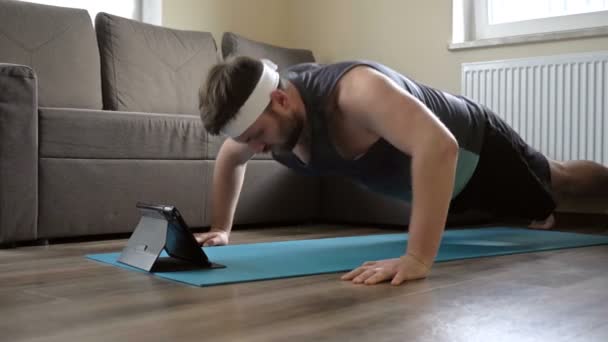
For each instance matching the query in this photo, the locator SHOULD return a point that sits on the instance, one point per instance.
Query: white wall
(410, 36)
(265, 20)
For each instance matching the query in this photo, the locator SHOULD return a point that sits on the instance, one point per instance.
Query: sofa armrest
(18, 153)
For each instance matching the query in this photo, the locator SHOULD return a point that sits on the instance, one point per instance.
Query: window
(144, 10)
(487, 19)
(508, 11)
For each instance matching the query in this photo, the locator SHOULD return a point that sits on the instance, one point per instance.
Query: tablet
(180, 243)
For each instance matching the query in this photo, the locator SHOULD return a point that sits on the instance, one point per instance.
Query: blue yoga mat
(272, 260)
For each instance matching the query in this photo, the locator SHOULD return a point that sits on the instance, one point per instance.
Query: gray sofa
(94, 119)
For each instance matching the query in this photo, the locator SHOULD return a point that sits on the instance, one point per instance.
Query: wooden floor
(52, 293)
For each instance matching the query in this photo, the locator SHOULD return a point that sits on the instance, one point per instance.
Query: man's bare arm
(385, 109)
(228, 176)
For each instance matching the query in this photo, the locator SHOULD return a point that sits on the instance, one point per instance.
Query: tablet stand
(154, 234)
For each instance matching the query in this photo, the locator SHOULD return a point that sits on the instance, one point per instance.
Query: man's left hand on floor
(396, 270)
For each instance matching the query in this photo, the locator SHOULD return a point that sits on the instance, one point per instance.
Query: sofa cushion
(98, 196)
(94, 134)
(236, 45)
(59, 44)
(147, 68)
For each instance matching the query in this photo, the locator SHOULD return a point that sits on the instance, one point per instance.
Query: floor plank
(52, 293)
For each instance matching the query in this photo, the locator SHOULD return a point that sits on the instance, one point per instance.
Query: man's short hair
(227, 87)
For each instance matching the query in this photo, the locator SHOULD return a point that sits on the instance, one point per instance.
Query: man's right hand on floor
(212, 238)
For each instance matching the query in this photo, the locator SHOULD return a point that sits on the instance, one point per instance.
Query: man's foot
(548, 223)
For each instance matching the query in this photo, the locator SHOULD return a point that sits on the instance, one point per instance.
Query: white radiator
(558, 104)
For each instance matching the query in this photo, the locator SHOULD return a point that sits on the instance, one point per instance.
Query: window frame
(485, 30)
(470, 27)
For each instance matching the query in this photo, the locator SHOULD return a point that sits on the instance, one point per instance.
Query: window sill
(530, 38)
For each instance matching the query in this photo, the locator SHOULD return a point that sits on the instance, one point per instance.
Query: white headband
(256, 103)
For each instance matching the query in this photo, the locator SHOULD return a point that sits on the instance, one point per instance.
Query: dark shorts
(512, 180)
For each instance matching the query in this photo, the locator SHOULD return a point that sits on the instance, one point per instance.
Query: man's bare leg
(577, 179)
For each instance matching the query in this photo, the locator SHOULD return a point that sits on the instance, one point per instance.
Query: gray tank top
(383, 168)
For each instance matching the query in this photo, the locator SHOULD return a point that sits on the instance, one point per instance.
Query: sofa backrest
(147, 68)
(237, 45)
(59, 44)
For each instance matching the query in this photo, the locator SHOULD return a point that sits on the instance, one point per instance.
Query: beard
(293, 129)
